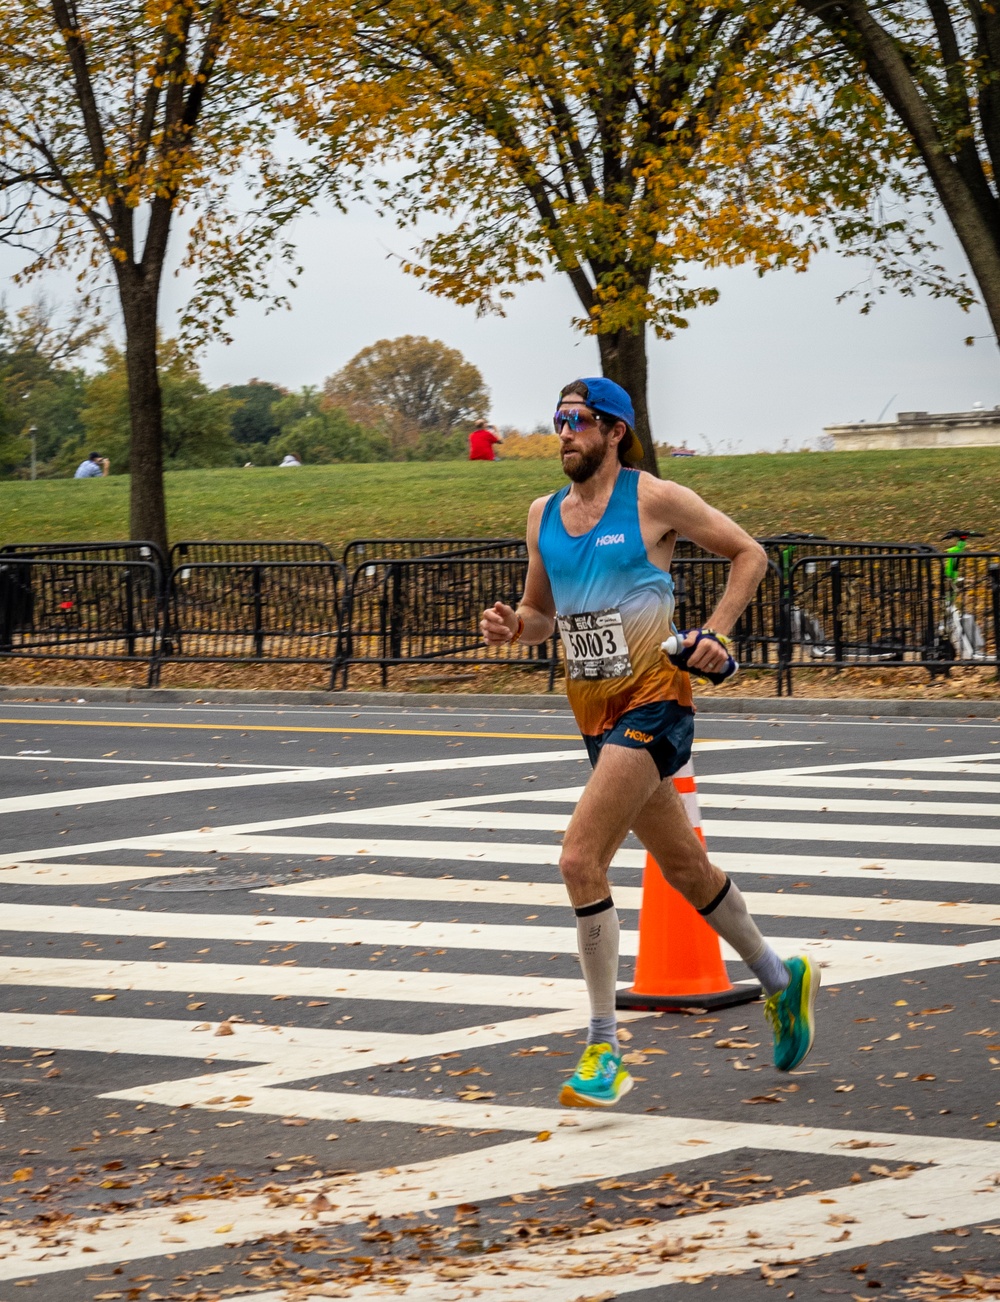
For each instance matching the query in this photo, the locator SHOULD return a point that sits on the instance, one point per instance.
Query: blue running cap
(611, 399)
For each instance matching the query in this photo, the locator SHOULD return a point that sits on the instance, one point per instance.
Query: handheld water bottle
(680, 654)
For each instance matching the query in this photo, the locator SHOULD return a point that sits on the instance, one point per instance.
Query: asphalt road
(288, 995)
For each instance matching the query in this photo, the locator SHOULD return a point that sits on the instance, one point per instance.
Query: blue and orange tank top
(613, 607)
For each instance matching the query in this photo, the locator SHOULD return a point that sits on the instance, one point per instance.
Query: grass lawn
(887, 496)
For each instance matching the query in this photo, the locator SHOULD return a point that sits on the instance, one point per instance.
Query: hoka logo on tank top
(609, 539)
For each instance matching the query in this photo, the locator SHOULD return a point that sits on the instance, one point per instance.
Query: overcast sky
(770, 364)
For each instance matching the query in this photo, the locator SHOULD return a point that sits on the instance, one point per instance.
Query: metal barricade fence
(361, 551)
(789, 547)
(428, 611)
(698, 586)
(238, 551)
(147, 552)
(925, 610)
(79, 610)
(361, 558)
(839, 610)
(288, 612)
(784, 549)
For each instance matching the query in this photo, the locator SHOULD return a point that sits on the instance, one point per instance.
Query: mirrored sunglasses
(574, 418)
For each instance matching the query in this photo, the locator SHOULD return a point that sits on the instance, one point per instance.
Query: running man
(599, 553)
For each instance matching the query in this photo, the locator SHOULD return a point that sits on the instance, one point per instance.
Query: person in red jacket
(481, 443)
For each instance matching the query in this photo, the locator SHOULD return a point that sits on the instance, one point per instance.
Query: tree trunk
(623, 359)
(147, 503)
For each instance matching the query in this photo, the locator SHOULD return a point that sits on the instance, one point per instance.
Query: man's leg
(664, 829)
(622, 782)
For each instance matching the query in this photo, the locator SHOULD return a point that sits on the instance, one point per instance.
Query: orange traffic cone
(679, 965)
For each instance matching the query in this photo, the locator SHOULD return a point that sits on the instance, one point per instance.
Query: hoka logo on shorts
(635, 735)
(609, 539)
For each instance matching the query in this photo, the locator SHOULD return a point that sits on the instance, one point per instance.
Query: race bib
(595, 645)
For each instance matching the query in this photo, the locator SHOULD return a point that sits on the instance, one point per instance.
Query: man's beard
(587, 464)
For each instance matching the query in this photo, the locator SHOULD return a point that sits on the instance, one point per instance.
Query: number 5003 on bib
(595, 645)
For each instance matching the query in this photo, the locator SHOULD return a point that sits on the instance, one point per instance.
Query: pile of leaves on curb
(902, 683)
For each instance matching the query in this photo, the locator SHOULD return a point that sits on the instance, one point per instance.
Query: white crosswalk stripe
(951, 871)
(393, 901)
(381, 886)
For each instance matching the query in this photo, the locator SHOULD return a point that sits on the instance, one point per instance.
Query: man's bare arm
(536, 608)
(671, 506)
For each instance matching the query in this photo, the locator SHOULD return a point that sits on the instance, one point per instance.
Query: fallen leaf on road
(669, 1248)
(773, 1273)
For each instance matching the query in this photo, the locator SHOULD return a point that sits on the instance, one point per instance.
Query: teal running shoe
(599, 1081)
(791, 1015)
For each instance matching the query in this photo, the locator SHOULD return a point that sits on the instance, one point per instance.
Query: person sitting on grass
(94, 467)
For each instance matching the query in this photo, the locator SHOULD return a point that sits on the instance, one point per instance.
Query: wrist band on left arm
(520, 630)
(719, 637)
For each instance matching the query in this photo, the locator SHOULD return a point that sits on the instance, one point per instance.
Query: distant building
(921, 429)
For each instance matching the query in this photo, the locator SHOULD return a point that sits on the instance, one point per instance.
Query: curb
(834, 707)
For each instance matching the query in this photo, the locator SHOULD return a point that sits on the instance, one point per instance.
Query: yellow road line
(278, 727)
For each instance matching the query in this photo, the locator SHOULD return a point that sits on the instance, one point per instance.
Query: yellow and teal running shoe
(599, 1081)
(790, 1013)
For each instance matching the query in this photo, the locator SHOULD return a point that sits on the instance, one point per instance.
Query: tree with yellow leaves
(116, 118)
(624, 143)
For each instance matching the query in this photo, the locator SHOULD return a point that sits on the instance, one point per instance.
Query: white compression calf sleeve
(597, 936)
(729, 916)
